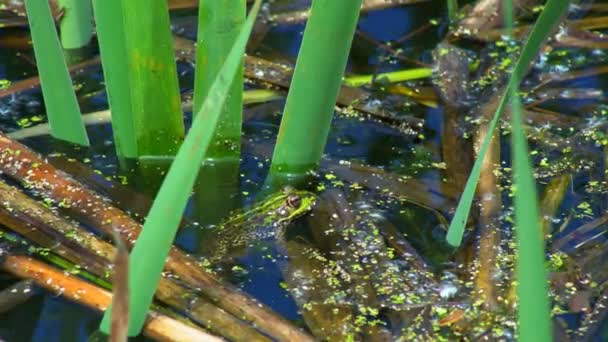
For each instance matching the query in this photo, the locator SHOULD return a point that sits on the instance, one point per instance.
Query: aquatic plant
(112, 48)
(550, 15)
(148, 119)
(153, 245)
(314, 88)
(59, 98)
(219, 23)
(76, 26)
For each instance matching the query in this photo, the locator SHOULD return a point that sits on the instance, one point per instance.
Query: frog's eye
(294, 201)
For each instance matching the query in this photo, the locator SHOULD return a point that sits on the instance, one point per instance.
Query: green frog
(268, 218)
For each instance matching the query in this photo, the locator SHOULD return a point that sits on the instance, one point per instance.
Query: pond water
(565, 142)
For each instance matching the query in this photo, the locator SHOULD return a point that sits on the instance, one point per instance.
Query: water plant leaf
(219, 23)
(534, 315)
(76, 24)
(111, 39)
(316, 82)
(153, 245)
(141, 74)
(551, 14)
(59, 98)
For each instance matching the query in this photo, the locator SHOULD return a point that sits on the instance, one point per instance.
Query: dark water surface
(258, 270)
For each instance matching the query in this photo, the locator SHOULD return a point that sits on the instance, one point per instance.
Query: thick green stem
(154, 243)
(219, 23)
(315, 85)
(112, 47)
(76, 23)
(157, 119)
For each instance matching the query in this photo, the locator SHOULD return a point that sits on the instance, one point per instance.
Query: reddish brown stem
(29, 168)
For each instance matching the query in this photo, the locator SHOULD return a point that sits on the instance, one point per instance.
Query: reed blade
(551, 15)
(153, 245)
(59, 99)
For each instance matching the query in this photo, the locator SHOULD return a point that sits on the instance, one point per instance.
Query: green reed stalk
(534, 313)
(153, 244)
(158, 126)
(219, 23)
(76, 25)
(551, 15)
(389, 77)
(315, 85)
(112, 47)
(452, 9)
(59, 98)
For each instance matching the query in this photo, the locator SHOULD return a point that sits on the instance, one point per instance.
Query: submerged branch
(16, 295)
(72, 243)
(27, 167)
(157, 326)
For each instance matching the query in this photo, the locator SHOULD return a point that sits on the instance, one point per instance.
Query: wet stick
(157, 326)
(15, 295)
(489, 220)
(24, 165)
(120, 293)
(43, 227)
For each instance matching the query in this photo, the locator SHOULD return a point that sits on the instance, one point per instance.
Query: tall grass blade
(315, 85)
(550, 15)
(59, 98)
(219, 23)
(534, 315)
(76, 25)
(153, 245)
(112, 48)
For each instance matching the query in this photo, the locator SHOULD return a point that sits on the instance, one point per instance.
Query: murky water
(358, 222)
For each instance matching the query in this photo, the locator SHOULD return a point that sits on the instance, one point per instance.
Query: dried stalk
(158, 326)
(27, 167)
(119, 329)
(489, 223)
(67, 240)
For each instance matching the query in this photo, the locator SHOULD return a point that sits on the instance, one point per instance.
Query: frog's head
(295, 203)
